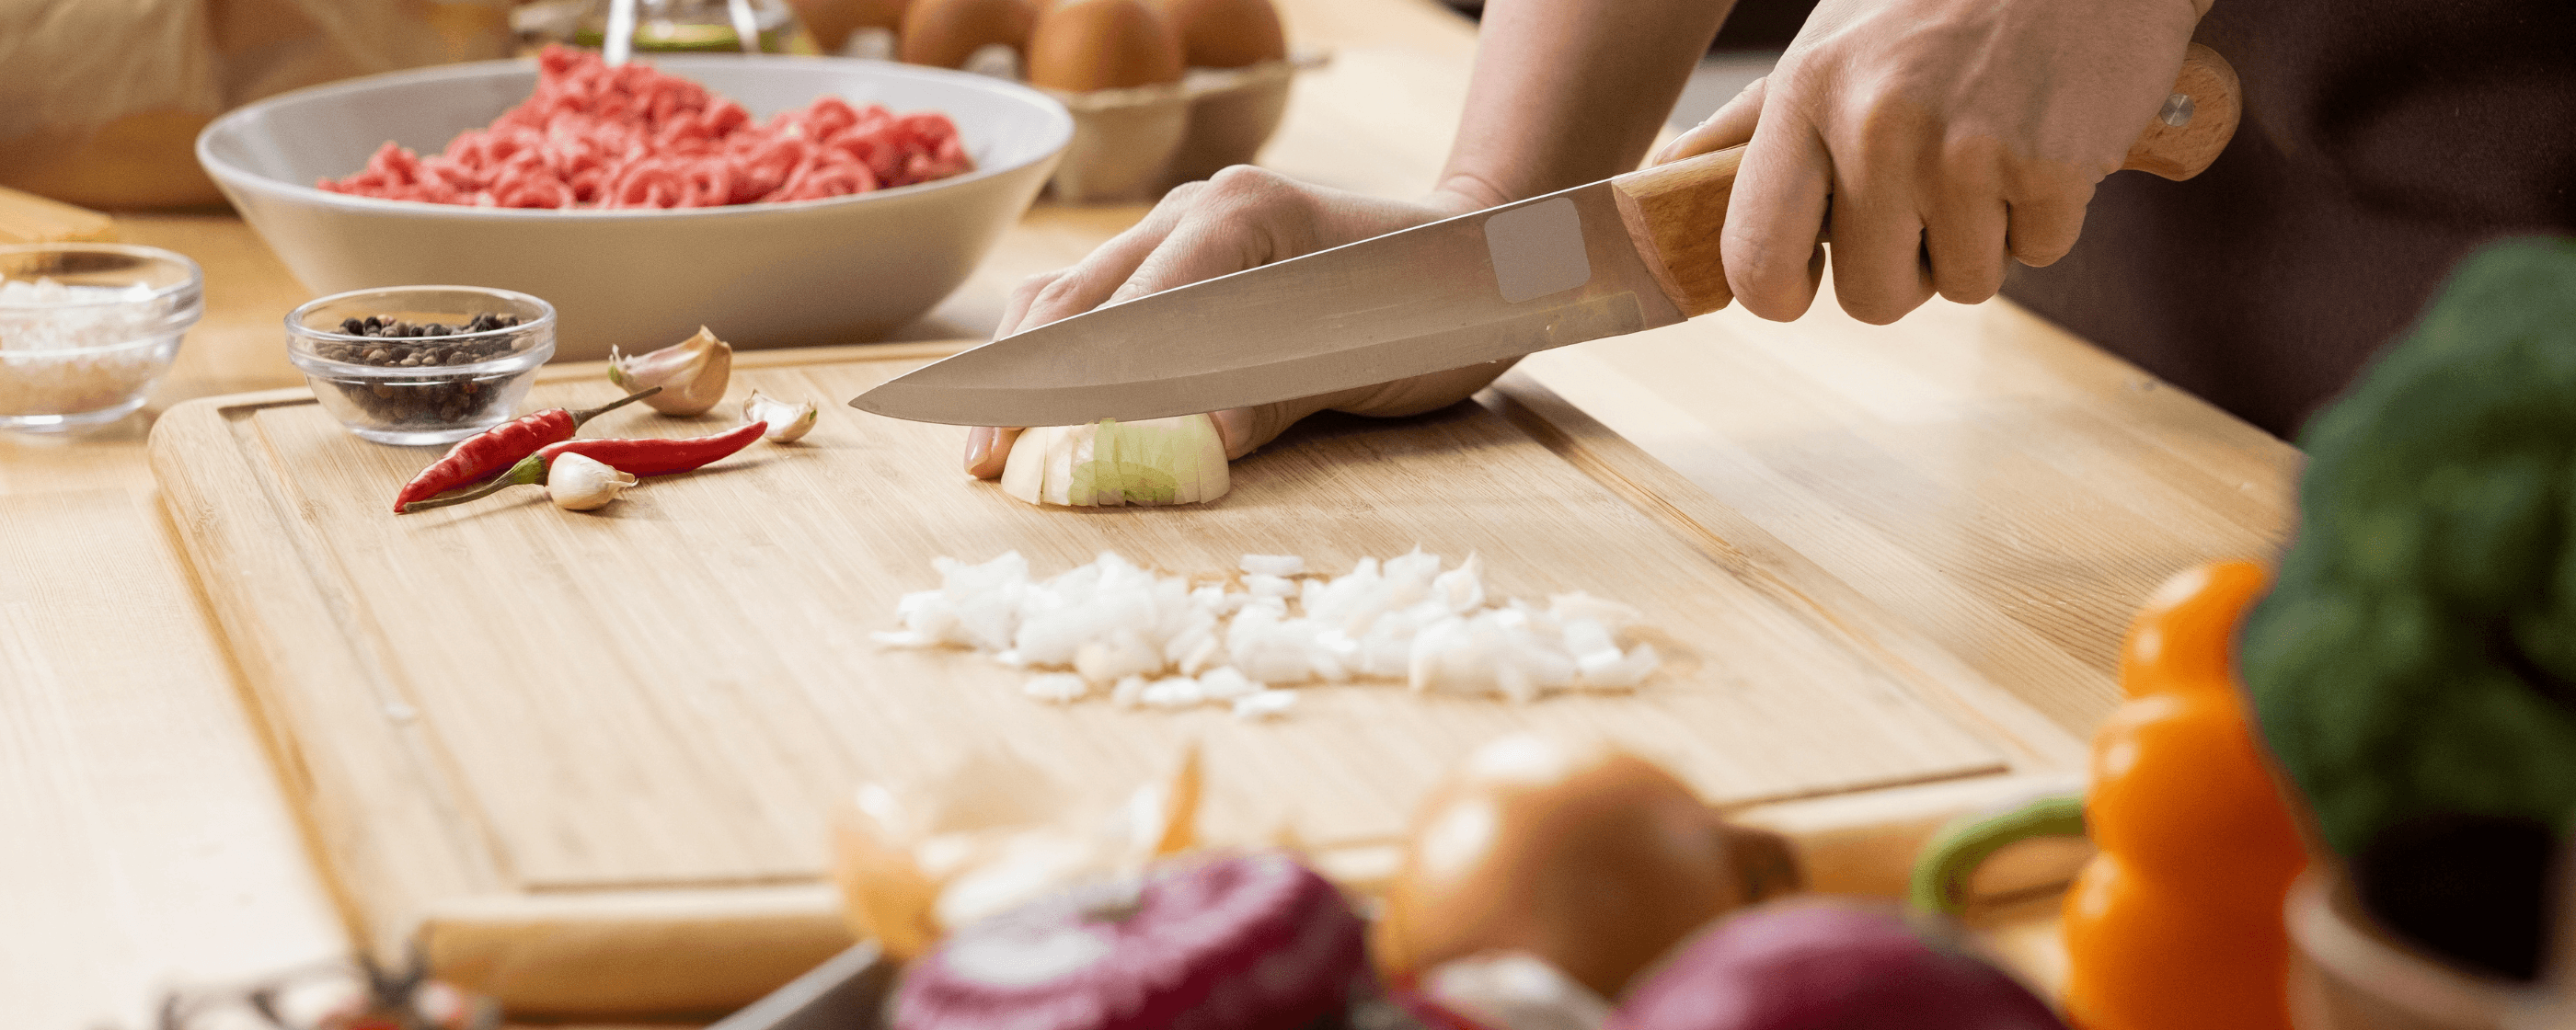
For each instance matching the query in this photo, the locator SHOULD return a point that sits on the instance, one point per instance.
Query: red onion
(1824, 965)
(1242, 942)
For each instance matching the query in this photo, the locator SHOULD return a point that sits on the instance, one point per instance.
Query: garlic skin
(787, 422)
(580, 483)
(691, 373)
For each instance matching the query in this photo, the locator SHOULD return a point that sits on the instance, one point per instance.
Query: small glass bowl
(88, 359)
(419, 390)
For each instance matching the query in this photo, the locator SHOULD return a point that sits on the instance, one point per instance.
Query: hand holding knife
(1634, 252)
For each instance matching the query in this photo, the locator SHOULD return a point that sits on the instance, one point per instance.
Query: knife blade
(1618, 256)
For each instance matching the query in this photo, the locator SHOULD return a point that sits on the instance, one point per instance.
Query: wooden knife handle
(1673, 211)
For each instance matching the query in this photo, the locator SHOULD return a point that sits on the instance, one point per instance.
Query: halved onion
(1109, 463)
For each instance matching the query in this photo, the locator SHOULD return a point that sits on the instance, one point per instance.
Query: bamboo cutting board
(533, 738)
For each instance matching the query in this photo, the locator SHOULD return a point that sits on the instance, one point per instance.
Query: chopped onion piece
(1264, 704)
(1630, 671)
(1273, 564)
(1124, 654)
(1129, 692)
(1174, 692)
(1224, 683)
(1057, 686)
(1462, 589)
(1259, 585)
(1590, 643)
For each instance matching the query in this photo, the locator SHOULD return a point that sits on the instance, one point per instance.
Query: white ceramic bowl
(841, 270)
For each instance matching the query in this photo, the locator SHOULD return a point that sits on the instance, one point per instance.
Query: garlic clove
(787, 422)
(691, 373)
(579, 483)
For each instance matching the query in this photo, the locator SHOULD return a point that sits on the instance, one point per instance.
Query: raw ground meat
(634, 137)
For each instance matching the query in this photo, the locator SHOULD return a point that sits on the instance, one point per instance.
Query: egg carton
(1135, 143)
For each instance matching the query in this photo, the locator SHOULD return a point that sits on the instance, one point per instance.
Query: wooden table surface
(2023, 492)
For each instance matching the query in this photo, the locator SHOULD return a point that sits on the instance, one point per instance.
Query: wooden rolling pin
(1672, 210)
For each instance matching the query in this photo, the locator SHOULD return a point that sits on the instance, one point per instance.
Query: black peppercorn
(434, 401)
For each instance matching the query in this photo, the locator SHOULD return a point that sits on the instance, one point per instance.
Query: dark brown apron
(2382, 141)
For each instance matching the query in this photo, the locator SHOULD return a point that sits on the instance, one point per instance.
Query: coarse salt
(50, 335)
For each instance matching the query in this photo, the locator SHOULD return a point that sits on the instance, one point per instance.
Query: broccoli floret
(2417, 657)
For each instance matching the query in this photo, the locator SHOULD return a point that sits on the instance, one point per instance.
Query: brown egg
(1083, 45)
(1227, 33)
(1589, 858)
(945, 32)
(832, 21)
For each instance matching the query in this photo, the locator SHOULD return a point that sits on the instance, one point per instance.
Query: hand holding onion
(1242, 218)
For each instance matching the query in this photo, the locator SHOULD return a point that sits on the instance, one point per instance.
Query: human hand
(1930, 140)
(1241, 218)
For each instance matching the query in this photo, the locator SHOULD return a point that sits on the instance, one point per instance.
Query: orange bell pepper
(2176, 921)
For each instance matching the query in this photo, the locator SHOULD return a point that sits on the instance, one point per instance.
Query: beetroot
(1824, 965)
(1243, 942)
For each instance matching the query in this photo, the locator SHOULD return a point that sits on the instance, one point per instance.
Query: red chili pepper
(500, 447)
(657, 457)
(633, 457)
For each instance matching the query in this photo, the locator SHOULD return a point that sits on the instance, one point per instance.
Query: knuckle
(1179, 199)
(1058, 290)
(1799, 72)
(1753, 94)
(1971, 158)
(1884, 131)
(1028, 289)
(1245, 178)
(1249, 188)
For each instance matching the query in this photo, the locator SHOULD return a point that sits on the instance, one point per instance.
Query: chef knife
(1633, 252)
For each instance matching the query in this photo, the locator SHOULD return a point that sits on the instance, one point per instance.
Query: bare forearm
(1571, 91)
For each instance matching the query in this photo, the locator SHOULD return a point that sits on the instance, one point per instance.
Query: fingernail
(979, 446)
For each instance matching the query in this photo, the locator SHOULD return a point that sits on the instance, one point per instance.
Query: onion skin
(1817, 964)
(1241, 942)
(1589, 858)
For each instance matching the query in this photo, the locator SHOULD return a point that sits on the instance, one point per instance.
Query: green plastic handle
(1941, 872)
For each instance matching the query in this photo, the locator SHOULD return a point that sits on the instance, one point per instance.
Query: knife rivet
(2177, 110)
